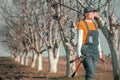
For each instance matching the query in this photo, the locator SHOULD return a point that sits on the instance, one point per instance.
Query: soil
(12, 70)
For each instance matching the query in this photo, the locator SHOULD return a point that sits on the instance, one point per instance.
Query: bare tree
(110, 28)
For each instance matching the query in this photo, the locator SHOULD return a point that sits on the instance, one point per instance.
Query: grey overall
(90, 51)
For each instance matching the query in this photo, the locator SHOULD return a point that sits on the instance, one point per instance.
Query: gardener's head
(89, 12)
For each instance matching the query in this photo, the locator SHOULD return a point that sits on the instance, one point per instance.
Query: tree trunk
(115, 63)
(70, 67)
(39, 61)
(12, 55)
(114, 53)
(53, 61)
(110, 36)
(26, 58)
(18, 58)
(34, 59)
(23, 58)
(113, 44)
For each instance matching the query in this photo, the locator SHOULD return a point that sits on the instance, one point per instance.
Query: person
(89, 42)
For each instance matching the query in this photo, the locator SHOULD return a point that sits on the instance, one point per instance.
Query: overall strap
(95, 25)
(87, 24)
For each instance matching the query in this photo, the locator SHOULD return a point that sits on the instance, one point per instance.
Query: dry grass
(11, 70)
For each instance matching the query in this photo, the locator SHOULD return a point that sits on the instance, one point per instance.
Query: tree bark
(26, 58)
(34, 59)
(18, 58)
(39, 61)
(23, 58)
(70, 67)
(110, 36)
(53, 61)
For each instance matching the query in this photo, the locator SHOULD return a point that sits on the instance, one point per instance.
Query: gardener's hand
(101, 58)
(80, 55)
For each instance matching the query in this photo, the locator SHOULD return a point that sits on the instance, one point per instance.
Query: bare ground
(11, 70)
